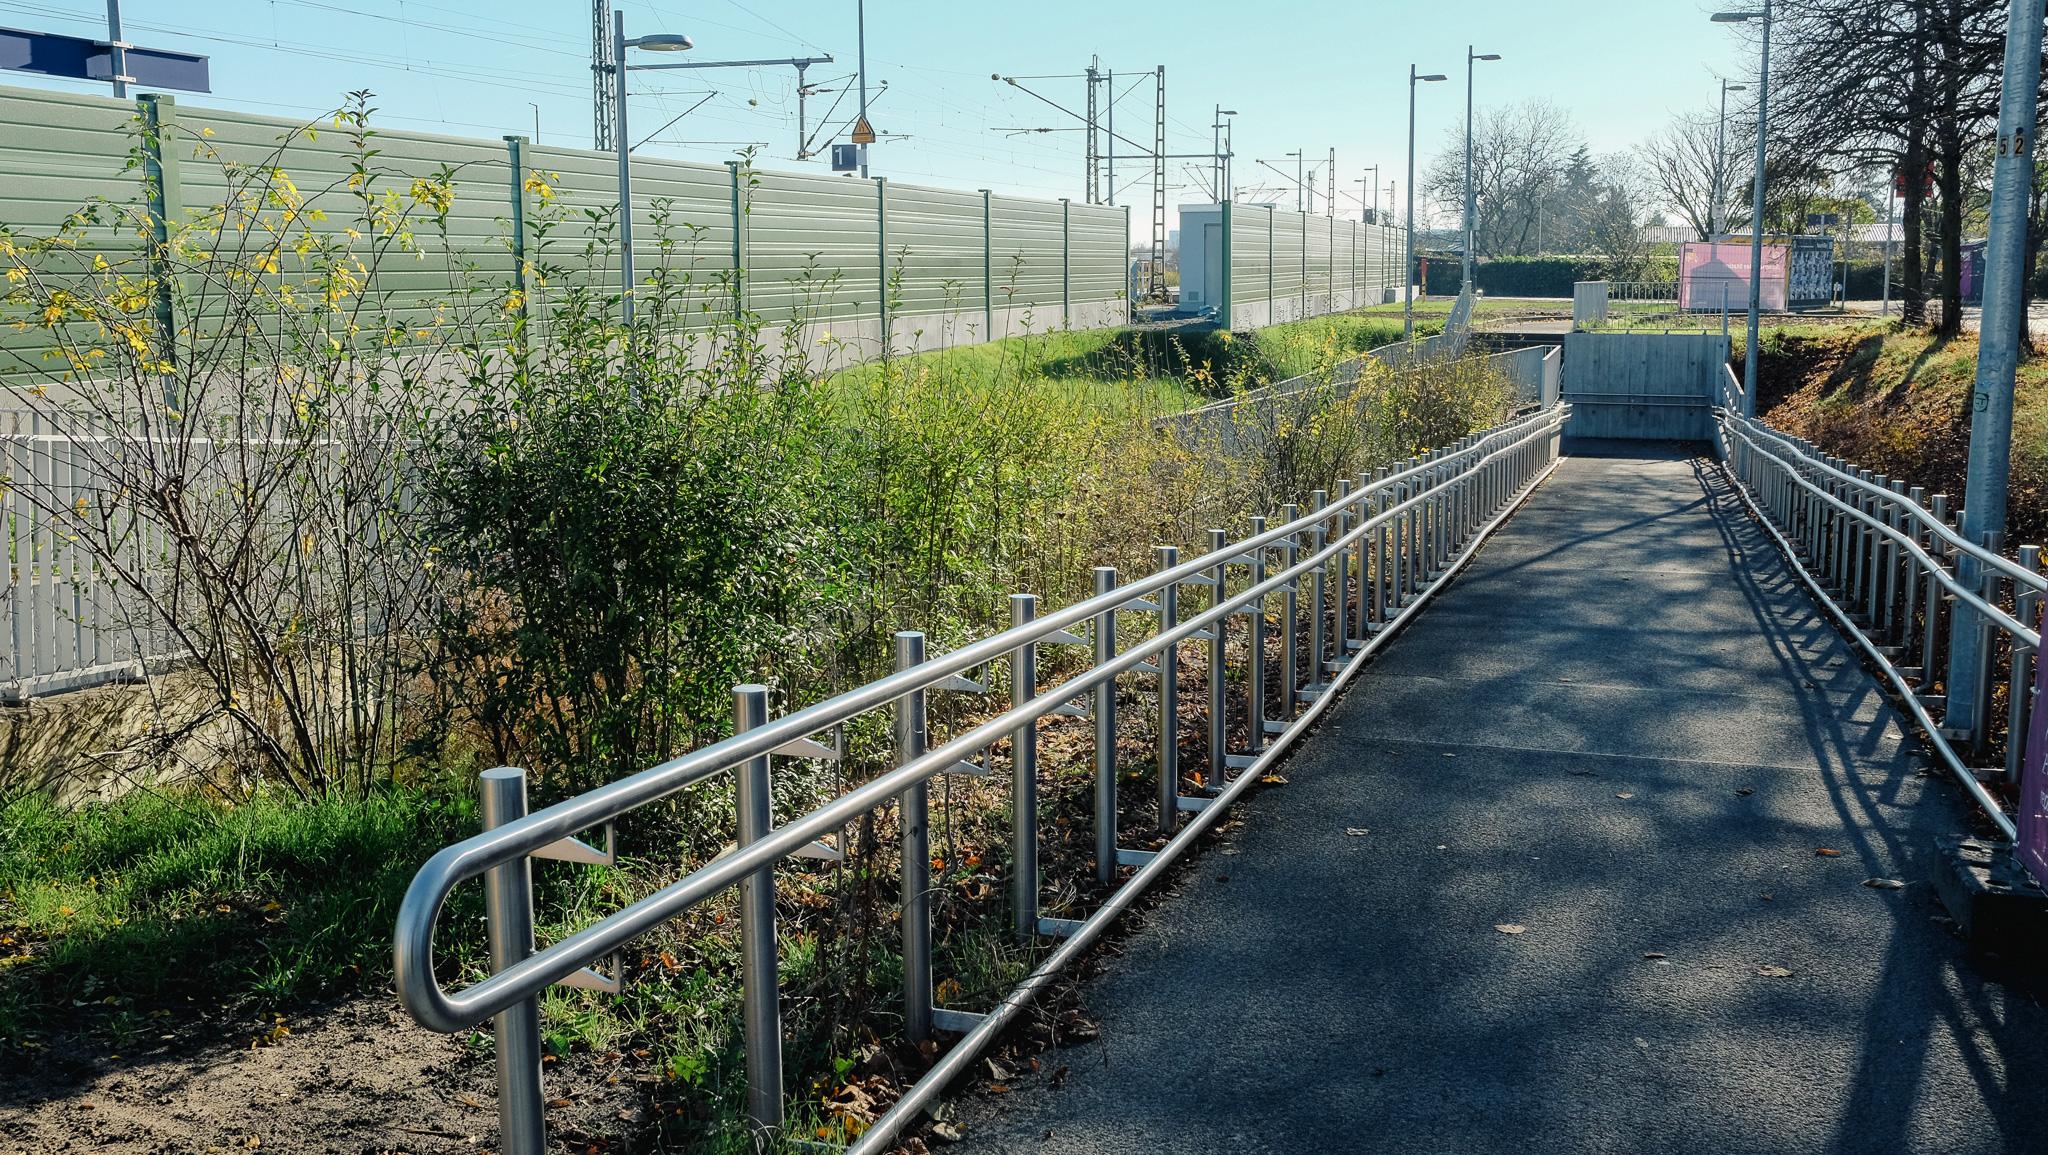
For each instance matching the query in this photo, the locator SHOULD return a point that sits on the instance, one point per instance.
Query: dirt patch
(352, 1078)
(1898, 403)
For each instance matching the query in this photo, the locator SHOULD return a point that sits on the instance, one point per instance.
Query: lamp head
(1488, 56)
(662, 42)
(1735, 17)
(1433, 76)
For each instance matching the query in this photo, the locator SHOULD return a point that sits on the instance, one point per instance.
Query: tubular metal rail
(1891, 568)
(1400, 535)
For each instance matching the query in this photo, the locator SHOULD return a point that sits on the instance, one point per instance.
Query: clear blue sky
(1307, 74)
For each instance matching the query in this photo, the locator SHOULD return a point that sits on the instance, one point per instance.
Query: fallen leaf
(1653, 954)
(1774, 972)
(1884, 884)
(1744, 792)
(997, 1071)
(1357, 831)
(998, 1088)
(1827, 852)
(1767, 897)
(1272, 780)
(946, 1132)
(1509, 927)
(1624, 794)
(557, 1104)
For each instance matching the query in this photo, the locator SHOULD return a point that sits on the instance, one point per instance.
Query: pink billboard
(1711, 274)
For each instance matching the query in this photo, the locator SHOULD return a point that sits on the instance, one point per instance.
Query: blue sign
(77, 58)
(845, 157)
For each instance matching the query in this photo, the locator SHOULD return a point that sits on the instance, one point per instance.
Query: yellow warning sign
(863, 132)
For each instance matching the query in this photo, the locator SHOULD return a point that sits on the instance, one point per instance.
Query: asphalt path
(1550, 880)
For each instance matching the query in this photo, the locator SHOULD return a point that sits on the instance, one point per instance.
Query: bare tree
(1687, 165)
(1519, 157)
(1907, 86)
(1617, 215)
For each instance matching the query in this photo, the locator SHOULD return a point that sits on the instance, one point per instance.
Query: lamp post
(1715, 225)
(1408, 265)
(1300, 175)
(1372, 185)
(1756, 213)
(658, 42)
(1991, 402)
(1471, 210)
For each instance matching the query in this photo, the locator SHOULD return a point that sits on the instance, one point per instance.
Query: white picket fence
(67, 623)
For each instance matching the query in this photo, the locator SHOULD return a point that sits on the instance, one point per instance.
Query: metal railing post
(1917, 496)
(1290, 612)
(760, 987)
(508, 919)
(1981, 627)
(2019, 673)
(1338, 630)
(917, 850)
(1893, 555)
(1219, 728)
(1382, 499)
(1024, 777)
(1255, 674)
(1105, 735)
(1929, 644)
(1168, 662)
(1319, 601)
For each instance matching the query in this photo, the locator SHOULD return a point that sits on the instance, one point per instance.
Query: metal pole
(1984, 493)
(508, 920)
(917, 851)
(1465, 282)
(759, 986)
(1024, 777)
(1216, 143)
(1408, 252)
(118, 51)
(860, 16)
(1109, 114)
(1756, 220)
(1720, 164)
(620, 144)
(1105, 735)
(1168, 662)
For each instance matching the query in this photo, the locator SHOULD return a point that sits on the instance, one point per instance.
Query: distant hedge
(1537, 276)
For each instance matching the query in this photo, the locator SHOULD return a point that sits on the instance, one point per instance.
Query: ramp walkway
(1580, 864)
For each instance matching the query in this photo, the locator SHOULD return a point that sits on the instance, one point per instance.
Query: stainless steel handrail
(1954, 586)
(1446, 490)
(1990, 559)
(1877, 559)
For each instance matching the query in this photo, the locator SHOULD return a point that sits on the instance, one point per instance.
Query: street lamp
(1408, 265)
(1471, 59)
(1299, 176)
(1756, 214)
(656, 42)
(1715, 225)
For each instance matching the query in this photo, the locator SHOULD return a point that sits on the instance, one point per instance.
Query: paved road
(1627, 731)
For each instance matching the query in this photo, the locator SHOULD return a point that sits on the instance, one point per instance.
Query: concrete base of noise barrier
(1998, 907)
